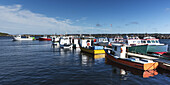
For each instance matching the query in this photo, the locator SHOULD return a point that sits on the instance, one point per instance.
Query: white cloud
(16, 20)
(81, 19)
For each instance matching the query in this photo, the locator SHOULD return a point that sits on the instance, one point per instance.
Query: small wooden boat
(86, 45)
(118, 54)
(19, 38)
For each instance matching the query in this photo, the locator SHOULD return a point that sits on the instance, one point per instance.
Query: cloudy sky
(84, 16)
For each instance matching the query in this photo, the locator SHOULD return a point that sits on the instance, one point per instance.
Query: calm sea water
(38, 63)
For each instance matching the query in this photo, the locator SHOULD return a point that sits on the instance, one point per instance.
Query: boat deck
(141, 56)
(163, 63)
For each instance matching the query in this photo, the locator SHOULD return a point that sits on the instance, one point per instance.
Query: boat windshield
(24, 37)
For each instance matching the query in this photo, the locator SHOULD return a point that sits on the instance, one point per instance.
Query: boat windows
(148, 41)
(143, 41)
(157, 41)
(138, 41)
(115, 48)
(134, 41)
(23, 37)
(153, 41)
(88, 40)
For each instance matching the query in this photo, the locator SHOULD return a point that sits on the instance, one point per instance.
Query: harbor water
(40, 63)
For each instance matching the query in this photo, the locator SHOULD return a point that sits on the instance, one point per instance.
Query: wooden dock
(163, 63)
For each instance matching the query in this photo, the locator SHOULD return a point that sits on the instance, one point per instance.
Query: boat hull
(92, 51)
(45, 39)
(66, 46)
(147, 66)
(19, 39)
(144, 49)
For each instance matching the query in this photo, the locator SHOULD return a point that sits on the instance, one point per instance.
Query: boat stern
(150, 66)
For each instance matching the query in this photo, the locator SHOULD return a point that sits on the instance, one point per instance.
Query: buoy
(88, 44)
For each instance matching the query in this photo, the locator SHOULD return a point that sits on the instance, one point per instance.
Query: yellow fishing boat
(86, 45)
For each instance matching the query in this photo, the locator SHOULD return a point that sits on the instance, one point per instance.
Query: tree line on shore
(140, 35)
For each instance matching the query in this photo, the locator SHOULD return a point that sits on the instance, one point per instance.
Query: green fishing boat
(145, 49)
(147, 45)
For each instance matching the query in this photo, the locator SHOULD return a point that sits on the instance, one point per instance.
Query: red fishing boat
(45, 38)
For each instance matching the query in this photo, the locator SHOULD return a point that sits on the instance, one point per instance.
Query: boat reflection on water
(62, 51)
(89, 59)
(125, 71)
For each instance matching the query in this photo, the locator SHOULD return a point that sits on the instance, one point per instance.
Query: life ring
(88, 44)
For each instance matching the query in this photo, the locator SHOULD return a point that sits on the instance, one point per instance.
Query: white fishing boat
(101, 41)
(55, 40)
(19, 38)
(65, 42)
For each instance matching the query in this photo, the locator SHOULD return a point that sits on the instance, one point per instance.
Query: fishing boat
(116, 39)
(154, 46)
(45, 38)
(118, 54)
(101, 41)
(55, 40)
(86, 45)
(65, 42)
(124, 71)
(148, 45)
(19, 38)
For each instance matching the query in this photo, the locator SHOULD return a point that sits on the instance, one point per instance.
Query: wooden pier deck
(163, 63)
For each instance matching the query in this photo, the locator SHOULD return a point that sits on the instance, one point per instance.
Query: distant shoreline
(140, 35)
(4, 34)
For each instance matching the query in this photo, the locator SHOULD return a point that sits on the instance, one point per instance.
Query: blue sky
(84, 16)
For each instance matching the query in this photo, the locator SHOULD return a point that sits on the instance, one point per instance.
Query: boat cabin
(55, 38)
(101, 39)
(65, 41)
(150, 41)
(85, 42)
(117, 39)
(118, 50)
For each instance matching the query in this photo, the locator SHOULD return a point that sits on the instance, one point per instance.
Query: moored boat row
(118, 48)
